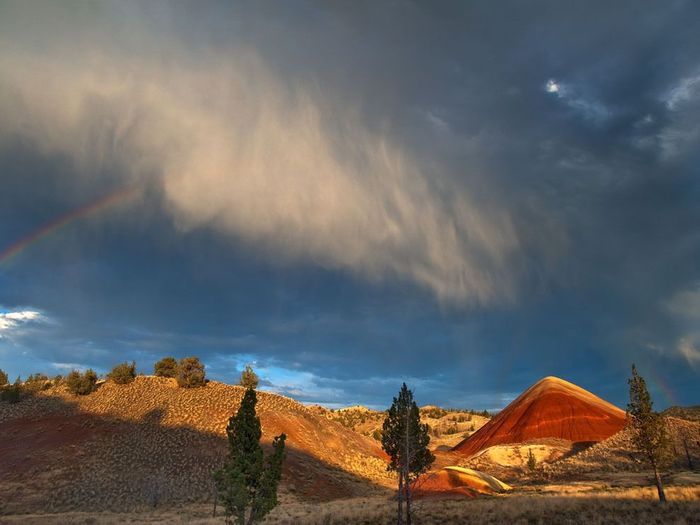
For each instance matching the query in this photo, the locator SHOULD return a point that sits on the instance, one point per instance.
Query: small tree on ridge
(190, 372)
(166, 367)
(249, 379)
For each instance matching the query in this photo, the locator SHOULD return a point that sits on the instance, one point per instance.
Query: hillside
(551, 408)
(150, 442)
(447, 426)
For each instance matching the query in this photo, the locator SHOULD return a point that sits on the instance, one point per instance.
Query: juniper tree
(247, 483)
(81, 384)
(166, 367)
(649, 434)
(123, 373)
(190, 372)
(405, 439)
(249, 379)
(3, 377)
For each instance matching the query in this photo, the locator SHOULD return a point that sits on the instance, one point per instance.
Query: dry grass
(630, 506)
(150, 444)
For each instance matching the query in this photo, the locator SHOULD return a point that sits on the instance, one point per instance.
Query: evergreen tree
(166, 367)
(405, 439)
(81, 384)
(12, 393)
(123, 373)
(649, 434)
(249, 379)
(190, 372)
(247, 483)
(3, 377)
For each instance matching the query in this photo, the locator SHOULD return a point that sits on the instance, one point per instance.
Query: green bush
(190, 372)
(36, 382)
(531, 461)
(81, 384)
(166, 367)
(249, 379)
(11, 393)
(123, 373)
(3, 377)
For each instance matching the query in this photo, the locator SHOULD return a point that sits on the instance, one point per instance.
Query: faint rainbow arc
(47, 229)
(663, 387)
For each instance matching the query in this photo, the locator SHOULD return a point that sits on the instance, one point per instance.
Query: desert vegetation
(247, 482)
(190, 372)
(166, 367)
(249, 379)
(81, 384)
(405, 440)
(123, 373)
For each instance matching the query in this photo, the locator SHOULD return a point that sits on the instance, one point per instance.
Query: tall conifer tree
(405, 439)
(649, 434)
(247, 483)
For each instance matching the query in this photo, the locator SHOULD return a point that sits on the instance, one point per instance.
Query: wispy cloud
(283, 165)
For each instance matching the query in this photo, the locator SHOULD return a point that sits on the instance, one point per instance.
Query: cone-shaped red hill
(551, 408)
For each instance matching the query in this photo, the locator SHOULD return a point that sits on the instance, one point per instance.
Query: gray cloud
(286, 166)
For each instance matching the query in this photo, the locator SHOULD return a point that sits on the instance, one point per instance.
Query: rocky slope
(150, 443)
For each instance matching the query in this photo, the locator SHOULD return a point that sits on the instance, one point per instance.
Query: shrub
(123, 373)
(81, 384)
(531, 461)
(377, 434)
(190, 372)
(249, 379)
(166, 367)
(3, 377)
(11, 393)
(36, 382)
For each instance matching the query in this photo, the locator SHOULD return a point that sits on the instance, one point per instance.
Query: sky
(465, 196)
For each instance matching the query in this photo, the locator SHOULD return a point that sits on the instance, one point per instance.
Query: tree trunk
(407, 487)
(659, 486)
(399, 518)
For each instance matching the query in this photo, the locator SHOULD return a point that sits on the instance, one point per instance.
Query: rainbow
(662, 385)
(49, 228)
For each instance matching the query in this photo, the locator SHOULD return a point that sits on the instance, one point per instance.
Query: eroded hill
(149, 442)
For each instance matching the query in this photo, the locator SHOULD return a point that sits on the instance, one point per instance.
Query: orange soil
(456, 481)
(551, 408)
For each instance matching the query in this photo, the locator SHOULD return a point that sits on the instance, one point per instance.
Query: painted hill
(551, 408)
(151, 443)
(453, 481)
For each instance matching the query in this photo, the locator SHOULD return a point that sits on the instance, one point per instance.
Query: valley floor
(585, 502)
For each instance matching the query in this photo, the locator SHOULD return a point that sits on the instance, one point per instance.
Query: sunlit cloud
(10, 321)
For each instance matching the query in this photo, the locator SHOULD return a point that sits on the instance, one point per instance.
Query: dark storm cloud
(467, 195)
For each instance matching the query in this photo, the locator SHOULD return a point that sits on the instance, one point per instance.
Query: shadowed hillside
(140, 445)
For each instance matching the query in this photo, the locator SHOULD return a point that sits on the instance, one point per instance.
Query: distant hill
(447, 426)
(551, 408)
(150, 442)
(691, 413)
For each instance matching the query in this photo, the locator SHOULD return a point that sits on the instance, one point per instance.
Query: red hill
(551, 408)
